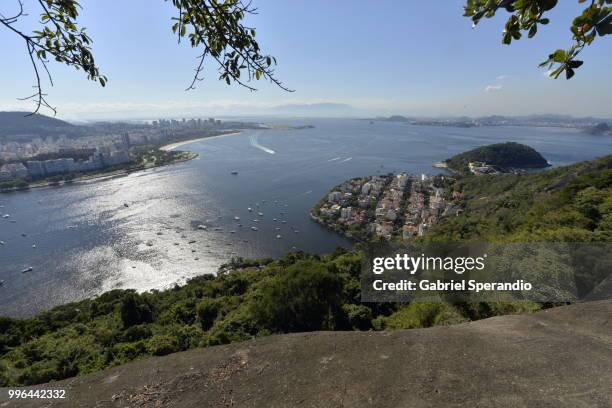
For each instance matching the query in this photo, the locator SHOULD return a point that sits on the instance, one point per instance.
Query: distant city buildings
(479, 168)
(108, 145)
(13, 170)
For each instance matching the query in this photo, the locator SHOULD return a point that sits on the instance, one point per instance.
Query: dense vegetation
(302, 292)
(509, 154)
(571, 203)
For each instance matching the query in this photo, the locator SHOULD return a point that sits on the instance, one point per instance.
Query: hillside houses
(394, 206)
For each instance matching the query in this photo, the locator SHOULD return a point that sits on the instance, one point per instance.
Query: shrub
(162, 344)
(207, 311)
(303, 297)
(135, 310)
(359, 316)
(135, 333)
(423, 314)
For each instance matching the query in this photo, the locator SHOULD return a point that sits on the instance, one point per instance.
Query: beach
(173, 146)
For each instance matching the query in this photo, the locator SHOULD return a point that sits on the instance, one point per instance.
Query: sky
(412, 57)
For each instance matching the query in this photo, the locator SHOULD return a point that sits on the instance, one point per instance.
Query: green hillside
(571, 203)
(508, 154)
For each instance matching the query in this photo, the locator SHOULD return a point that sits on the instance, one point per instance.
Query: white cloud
(493, 88)
(502, 77)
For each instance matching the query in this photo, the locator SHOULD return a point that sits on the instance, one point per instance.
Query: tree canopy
(527, 15)
(215, 27)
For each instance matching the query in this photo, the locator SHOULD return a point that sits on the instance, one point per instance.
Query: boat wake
(334, 159)
(255, 143)
(345, 160)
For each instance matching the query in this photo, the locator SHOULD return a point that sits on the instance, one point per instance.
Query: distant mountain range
(16, 126)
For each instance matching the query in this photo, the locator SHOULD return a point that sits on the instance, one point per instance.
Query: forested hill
(509, 154)
(19, 127)
(572, 203)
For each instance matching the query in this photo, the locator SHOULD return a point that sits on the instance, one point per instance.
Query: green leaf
(532, 31)
(558, 56)
(605, 26)
(575, 63)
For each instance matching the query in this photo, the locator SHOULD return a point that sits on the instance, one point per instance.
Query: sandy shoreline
(173, 146)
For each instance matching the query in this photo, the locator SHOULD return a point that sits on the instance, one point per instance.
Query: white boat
(255, 220)
(284, 222)
(237, 218)
(260, 214)
(2, 242)
(6, 215)
(34, 246)
(274, 219)
(279, 236)
(232, 232)
(28, 269)
(1, 282)
(296, 231)
(202, 227)
(254, 228)
(250, 209)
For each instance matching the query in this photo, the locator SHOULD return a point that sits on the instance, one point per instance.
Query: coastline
(122, 172)
(172, 146)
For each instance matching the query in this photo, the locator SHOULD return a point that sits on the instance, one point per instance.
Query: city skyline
(381, 59)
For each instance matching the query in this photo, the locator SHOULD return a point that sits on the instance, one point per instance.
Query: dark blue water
(88, 242)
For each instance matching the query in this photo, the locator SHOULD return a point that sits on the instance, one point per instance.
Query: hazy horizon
(379, 59)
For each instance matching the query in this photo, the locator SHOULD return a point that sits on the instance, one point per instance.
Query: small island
(509, 157)
(600, 129)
